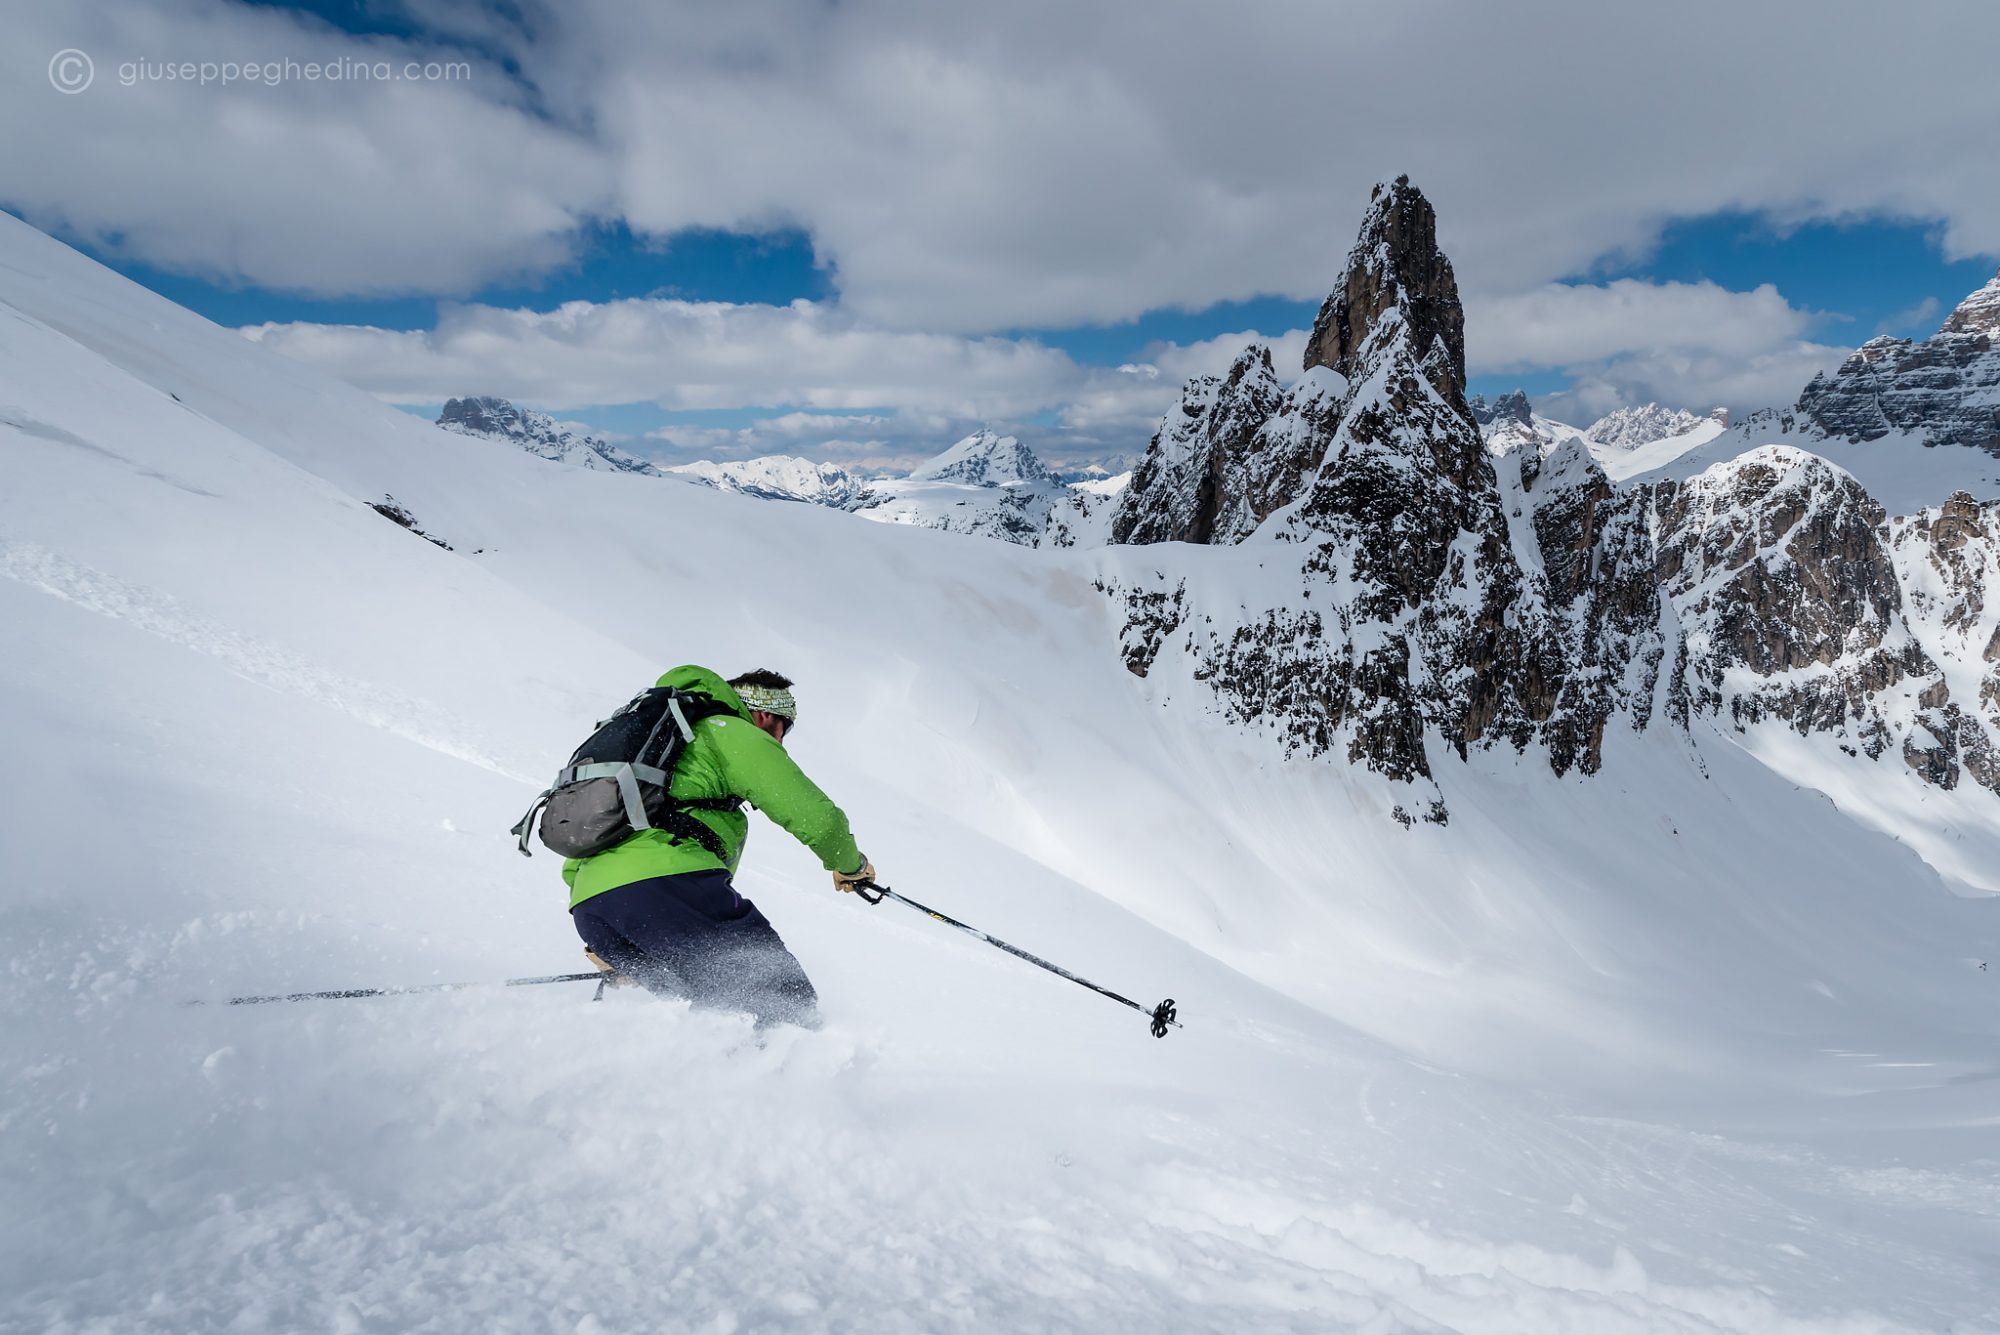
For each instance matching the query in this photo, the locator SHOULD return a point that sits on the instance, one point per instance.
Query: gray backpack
(615, 784)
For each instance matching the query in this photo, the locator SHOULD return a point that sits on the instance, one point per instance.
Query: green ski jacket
(729, 757)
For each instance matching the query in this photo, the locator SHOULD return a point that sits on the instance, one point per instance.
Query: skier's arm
(759, 770)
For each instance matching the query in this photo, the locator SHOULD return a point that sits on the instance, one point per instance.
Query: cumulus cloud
(976, 168)
(840, 388)
(686, 355)
(1693, 345)
(355, 184)
(1562, 324)
(1695, 380)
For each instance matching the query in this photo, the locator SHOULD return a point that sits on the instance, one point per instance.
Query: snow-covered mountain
(538, 434)
(1629, 428)
(1678, 1046)
(992, 486)
(779, 477)
(984, 459)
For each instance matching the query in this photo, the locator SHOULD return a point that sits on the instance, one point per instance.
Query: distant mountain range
(986, 483)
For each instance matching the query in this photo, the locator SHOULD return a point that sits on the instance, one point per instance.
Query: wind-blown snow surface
(1656, 1051)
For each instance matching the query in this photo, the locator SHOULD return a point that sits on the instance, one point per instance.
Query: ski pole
(1162, 1015)
(342, 993)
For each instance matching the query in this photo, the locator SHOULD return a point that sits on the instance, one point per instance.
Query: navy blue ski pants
(693, 936)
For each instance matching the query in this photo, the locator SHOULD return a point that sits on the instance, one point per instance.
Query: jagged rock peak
(1979, 313)
(1395, 266)
(984, 459)
(495, 417)
(1193, 484)
(1512, 407)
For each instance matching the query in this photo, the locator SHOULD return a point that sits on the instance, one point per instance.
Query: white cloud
(971, 168)
(1693, 380)
(337, 186)
(686, 355)
(858, 395)
(1693, 345)
(1562, 325)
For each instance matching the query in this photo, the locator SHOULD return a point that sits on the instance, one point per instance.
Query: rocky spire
(1395, 266)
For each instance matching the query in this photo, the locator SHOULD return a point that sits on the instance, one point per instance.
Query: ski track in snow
(160, 614)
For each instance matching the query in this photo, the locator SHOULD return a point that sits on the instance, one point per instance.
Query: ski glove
(848, 880)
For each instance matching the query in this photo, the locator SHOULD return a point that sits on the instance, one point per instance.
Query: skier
(660, 907)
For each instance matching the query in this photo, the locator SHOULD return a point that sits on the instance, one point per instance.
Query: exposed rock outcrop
(1215, 470)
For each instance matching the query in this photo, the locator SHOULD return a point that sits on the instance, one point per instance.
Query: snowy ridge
(1629, 428)
(778, 477)
(1608, 1056)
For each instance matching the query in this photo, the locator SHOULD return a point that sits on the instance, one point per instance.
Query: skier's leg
(747, 967)
(609, 924)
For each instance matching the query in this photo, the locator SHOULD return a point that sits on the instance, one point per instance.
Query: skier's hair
(769, 680)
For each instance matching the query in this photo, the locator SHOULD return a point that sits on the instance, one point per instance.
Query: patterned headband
(770, 699)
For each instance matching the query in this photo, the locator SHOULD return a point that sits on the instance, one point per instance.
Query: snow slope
(1679, 1049)
(1623, 462)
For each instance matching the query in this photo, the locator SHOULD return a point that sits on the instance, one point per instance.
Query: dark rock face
(1595, 549)
(1395, 266)
(1192, 485)
(1778, 568)
(1945, 388)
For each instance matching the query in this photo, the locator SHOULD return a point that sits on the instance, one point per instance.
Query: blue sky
(1859, 279)
(1030, 220)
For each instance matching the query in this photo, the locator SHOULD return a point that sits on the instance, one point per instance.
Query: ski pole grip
(863, 887)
